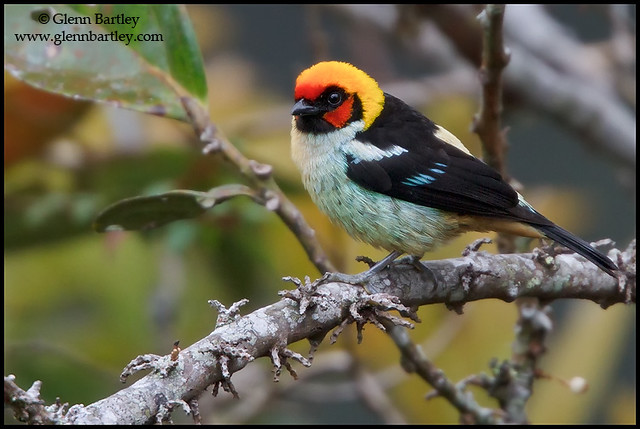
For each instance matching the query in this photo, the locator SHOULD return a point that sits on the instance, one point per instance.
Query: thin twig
(487, 123)
(415, 361)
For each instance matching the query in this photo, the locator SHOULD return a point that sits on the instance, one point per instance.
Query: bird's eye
(334, 98)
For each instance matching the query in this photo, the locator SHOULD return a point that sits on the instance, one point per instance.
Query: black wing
(431, 172)
(434, 173)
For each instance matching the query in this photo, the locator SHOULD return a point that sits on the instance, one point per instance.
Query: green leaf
(184, 57)
(141, 57)
(143, 213)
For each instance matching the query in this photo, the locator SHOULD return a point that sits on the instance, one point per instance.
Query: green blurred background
(80, 305)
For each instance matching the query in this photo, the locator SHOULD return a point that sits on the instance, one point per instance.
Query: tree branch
(231, 346)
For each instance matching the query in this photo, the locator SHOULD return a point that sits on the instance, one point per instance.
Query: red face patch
(309, 90)
(339, 117)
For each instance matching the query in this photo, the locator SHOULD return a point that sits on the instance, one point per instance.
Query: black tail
(578, 245)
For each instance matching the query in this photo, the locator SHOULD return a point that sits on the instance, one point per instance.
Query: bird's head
(331, 95)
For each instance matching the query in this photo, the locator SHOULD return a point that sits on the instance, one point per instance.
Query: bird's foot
(413, 260)
(363, 277)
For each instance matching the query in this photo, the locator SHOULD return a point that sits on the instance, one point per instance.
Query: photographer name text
(98, 19)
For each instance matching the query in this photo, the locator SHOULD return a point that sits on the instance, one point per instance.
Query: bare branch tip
(226, 316)
(262, 171)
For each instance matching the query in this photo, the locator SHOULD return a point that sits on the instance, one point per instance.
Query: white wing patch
(369, 152)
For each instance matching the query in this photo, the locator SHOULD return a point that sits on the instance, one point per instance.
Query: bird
(393, 178)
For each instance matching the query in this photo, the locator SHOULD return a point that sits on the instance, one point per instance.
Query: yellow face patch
(316, 79)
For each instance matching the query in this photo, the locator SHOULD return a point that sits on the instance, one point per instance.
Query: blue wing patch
(419, 180)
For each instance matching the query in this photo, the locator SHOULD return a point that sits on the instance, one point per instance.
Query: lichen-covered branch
(266, 331)
(27, 405)
(481, 275)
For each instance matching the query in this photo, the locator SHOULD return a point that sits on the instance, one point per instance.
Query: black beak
(304, 107)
